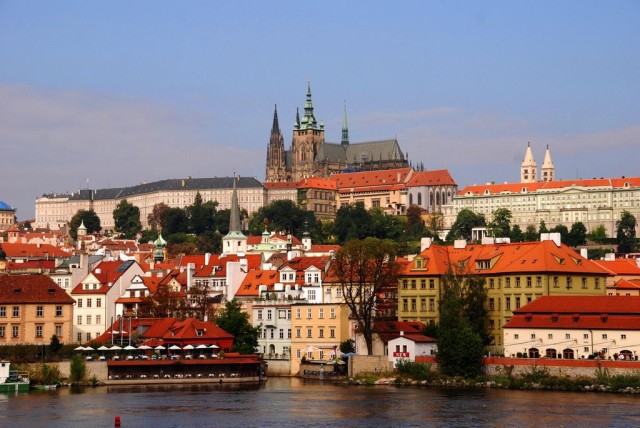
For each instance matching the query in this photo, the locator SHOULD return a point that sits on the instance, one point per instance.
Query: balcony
(276, 356)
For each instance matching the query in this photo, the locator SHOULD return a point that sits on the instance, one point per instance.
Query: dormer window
(199, 332)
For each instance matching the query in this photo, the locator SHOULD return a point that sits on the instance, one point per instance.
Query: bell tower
(308, 137)
(529, 168)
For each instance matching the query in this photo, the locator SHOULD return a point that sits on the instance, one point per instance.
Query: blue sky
(123, 92)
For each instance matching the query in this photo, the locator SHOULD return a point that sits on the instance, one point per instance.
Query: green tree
(348, 346)
(174, 220)
(562, 230)
(236, 322)
(460, 348)
(209, 242)
(77, 369)
(366, 269)
(542, 228)
(577, 235)
(126, 217)
(598, 235)
(90, 219)
(465, 222)
(385, 226)
(199, 218)
(531, 234)
(148, 235)
(414, 228)
(626, 233)
(500, 227)
(156, 217)
(434, 226)
(55, 346)
(283, 215)
(516, 234)
(352, 222)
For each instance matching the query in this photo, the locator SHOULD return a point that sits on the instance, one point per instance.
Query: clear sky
(122, 92)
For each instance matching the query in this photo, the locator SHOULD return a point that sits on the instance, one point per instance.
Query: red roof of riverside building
(620, 266)
(31, 289)
(17, 250)
(579, 312)
(372, 180)
(440, 177)
(548, 185)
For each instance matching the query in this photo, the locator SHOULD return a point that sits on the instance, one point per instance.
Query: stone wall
(94, 368)
(278, 367)
(359, 364)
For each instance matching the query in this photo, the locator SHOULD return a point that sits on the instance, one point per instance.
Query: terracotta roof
(419, 338)
(440, 177)
(627, 284)
(620, 266)
(549, 185)
(105, 272)
(303, 263)
(18, 250)
(281, 185)
(381, 179)
(324, 248)
(254, 279)
(317, 183)
(48, 265)
(31, 289)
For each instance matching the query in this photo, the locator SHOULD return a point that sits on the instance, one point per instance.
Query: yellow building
(33, 308)
(317, 331)
(514, 274)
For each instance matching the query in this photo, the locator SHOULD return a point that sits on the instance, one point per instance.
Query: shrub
(416, 371)
(78, 369)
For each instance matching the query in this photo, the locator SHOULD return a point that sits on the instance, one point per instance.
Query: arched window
(431, 198)
(420, 198)
(437, 198)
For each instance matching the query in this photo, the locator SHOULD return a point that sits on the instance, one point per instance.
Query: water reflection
(285, 402)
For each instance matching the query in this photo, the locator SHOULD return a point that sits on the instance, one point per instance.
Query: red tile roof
(31, 289)
(254, 279)
(549, 185)
(106, 273)
(627, 284)
(17, 250)
(317, 183)
(281, 185)
(372, 180)
(620, 266)
(440, 177)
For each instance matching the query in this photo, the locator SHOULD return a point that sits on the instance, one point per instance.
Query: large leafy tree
(283, 215)
(516, 234)
(385, 226)
(414, 228)
(460, 346)
(174, 220)
(201, 215)
(626, 233)
(577, 234)
(366, 269)
(156, 217)
(352, 222)
(500, 227)
(598, 235)
(127, 219)
(531, 233)
(465, 222)
(562, 230)
(90, 219)
(233, 320)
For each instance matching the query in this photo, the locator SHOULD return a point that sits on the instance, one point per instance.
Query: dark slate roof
(75, 260)
(5, 207)
(164, 185)
(370, 151)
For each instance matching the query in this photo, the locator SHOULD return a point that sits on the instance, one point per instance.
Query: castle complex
(311, 156)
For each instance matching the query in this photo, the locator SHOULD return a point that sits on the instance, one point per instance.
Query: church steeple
(529, 168)
(345, 128)
(548, 170)
(309, 120)
(235, 241)
(276, 163)
(296, 125)
(234, 215)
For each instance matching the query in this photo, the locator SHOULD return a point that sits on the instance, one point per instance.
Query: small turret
(548, 170)
(529, 168)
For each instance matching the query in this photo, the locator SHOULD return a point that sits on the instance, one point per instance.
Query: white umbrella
(144, 347)
(160, 348)
(115, 348)
(175, 348)
(103, 348)
(79, 348)
(214, 347)
(201, 347)
(89, 348)
(129, 348)
(188, 347)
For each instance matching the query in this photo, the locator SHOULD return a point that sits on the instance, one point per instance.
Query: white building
(275, 334)
(408, 346)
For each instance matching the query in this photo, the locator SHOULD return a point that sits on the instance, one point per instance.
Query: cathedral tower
(308, 137)
(276, 160)
(529, 168)
(548, 170)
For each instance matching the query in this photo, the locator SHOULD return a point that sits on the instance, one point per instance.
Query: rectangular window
(423, 284)
(550, 336)
(413, 284)
(529, 283)
(516, 336)
(58, 311)
(584, 282)
(332, 333)
(259, 314)
(38, 331)
(281, 333)
(309, 333)
(98, 319)
(423, 305)
(15, 331)
(332, 313)
(16, 311)
(298, 313)
(492, 324)
(269, 315)
(405, 304)
(88, 337)
(321, 333)
(89, 303)
(585, 336)
(569, 282)
(533, 335)
(289, 333)
(79, 321)
(99, 301)
(492, 304)
(405, 284)
(39, 311)
(3, 311)
(597, 283)
(58, 330)
(517, 302)
(518, 282)
(89, 320)
(297, 353)
(413, 305)
(507, 303)
(298, 332)
(538, 281)
(555, 282)
(432, 305)
(309, 313)
(623, 336)
(321, 313)
(567, 336)
(2, 330)
(79, 337)
(507, 283)
(79, 304)
(432, 284)
(491, 283)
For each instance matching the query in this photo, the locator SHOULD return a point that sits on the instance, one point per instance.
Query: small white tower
(548, 171)
(529, 168)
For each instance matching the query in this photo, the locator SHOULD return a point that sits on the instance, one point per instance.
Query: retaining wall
(359, 364)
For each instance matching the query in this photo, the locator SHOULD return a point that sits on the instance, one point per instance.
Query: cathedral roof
(368, 151)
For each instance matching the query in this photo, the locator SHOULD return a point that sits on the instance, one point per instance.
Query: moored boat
(11, 380)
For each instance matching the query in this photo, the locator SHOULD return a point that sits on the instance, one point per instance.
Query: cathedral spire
(234, 215)
(309, 120)
(234, 242)
(296, 125)
(276, 127)
(345, 128)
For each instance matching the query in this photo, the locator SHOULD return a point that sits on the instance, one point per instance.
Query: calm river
(285, 402)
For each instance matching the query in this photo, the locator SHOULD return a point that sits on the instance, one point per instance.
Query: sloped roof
(106, 272)
(440, 177)
(378, 180)
(17, 250)
(627, 284)
(620, 266)
(549, 185)
(317, 183)
(6, 207)
(256, 278)
(22, 289)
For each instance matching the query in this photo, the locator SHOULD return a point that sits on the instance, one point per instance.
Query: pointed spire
(548, 170)
(529, 168)
(297, 124)
(309, 120)
(345, 128)
(234, 215)
(276, 127)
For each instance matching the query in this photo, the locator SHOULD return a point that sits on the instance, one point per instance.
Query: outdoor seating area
(144, 352)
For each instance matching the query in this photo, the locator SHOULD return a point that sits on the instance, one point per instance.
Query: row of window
(15, 311)
(270, 333)
(15, 331)
(414, 305)
(321, 313)
(89, 302)
(321, 330)
(414, 282)
(89, 319)
(568, 336)
(87, 335)
(283, 314)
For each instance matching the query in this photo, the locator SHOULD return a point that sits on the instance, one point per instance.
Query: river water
(285, 402)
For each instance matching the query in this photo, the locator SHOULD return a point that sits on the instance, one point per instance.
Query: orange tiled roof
(440, 177)
(549, 185)
(18, 250)
(31, 289)
(372, 179)
(256, 278)
(105, 272)
(620, 266)
(281, 185)
(627, 284)
(317, 183)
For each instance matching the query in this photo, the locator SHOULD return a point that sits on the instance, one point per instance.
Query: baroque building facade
(311, 156)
